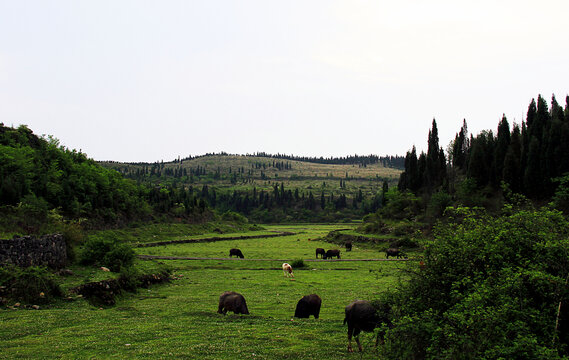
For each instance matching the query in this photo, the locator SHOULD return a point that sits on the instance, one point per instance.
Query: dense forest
(492, 281)
(529, 159)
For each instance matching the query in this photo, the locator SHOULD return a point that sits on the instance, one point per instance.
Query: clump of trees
(488, 287)
(528, 158)
(39, 177)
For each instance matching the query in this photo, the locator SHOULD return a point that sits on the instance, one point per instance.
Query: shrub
(489, 285)
(129, 278)
(120, 256)
(235, 217)
(30, 285)
(107, 252)
(404, 242)
(73, 236)
(297, 264)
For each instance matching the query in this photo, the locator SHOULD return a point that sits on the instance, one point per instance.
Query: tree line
(37, 176)
(528, 158)
(396, 161)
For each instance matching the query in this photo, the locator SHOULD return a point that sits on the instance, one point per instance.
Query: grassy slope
(303, 175)
(179, 320)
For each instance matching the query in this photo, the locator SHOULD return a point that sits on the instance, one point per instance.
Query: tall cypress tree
(511, 173)
(533, 174)
(460, 147)
(433, 167)
(502, 144)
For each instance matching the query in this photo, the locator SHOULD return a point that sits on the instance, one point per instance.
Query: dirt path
(212, 239)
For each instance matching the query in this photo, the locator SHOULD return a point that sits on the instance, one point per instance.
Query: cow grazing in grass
(331, 253)
(287, 270)
(236, 252)
(360, 315)
(308, 305)
(232, 301)
(394, 252)
(322, 253)
(348, 246)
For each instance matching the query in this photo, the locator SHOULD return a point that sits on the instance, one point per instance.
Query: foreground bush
(32, 285)
(489, 287)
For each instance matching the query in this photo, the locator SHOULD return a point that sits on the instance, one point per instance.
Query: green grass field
(179, 320)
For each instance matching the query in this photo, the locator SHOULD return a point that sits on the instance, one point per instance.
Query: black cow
(232, 301)
(322, 253)
(331, 253)
(360, 315)
(394, 252)
(236, 252)
(308, 305)
(348, 246)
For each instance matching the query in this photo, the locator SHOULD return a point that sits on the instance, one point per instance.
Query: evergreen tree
(433, 167)
(481, 153)
(511, 173)
(460, 147)
(502, 144)
(532, 176)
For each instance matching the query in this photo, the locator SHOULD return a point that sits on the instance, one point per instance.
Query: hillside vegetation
(274, 189)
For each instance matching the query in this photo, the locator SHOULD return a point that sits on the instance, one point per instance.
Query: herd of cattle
(360, 315)
(332, 253)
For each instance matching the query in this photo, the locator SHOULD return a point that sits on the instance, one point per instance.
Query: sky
(156, 80)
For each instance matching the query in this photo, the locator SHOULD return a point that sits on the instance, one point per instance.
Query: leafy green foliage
(32, 285)
(401, 205)
(298, 264)
(37, 175)
(108, 252)
(490, 287)
(561, 198)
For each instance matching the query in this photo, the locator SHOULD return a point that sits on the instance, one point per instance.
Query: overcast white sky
(154, 80)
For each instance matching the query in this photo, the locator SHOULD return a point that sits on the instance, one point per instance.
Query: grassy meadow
(179, 319)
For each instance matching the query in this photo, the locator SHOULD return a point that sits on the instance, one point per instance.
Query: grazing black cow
(394, 252)
(322, 253)
(348, 246)
(232, 301)
(360, 315)
(331, 253)
(308, 305)
(236, 252)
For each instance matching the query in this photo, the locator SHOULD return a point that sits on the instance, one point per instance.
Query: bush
(129, 278)
(404, 242)
(401, 205)
(73, 236)
(107, 252)
(32, 285)
(437, 204)
(235, 217)
(490, 287)
(298, 264)
(120, 256)
(373, 224)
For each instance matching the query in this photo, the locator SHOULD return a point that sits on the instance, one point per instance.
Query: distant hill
(224, 171)
(269, 188)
